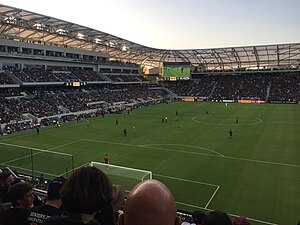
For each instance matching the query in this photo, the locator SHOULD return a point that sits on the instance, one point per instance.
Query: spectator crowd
(89, 197)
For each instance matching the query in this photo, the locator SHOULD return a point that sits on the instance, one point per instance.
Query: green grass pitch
(255, 174)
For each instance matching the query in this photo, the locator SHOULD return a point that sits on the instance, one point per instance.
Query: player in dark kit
(237, 120)
(230, 133)
(37, 130)
(125, 132)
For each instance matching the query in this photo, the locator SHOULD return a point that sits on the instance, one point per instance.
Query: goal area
(125, 176)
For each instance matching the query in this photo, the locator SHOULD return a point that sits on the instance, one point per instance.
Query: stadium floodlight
(125, 176)
(98, 40)
(80, 36)
(61, 31)
(125, 48)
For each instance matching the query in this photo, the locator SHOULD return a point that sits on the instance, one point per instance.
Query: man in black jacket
(39, 214)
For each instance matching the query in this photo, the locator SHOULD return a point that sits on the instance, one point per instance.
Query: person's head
(150, 202)
(217, 218)
(54, 188)
(20, 195)
(241, 221)
(86, 191)
(198, 217)
(6, 178)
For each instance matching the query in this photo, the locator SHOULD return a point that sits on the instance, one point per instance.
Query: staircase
(268, 91)
(63, 109)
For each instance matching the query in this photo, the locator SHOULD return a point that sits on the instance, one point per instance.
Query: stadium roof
(22, 25)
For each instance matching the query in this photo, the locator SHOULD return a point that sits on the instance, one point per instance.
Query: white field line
(185, 180)
(263, 161)
(189, 146)
(233, 215)
(36, 149)
(195, 182)
(63, 145)
(211, 198)
(47, 129)
(205, 208)
(32, 131)
(146, 146)
(197, 153)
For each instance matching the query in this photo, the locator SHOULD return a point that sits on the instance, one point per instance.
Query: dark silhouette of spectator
(21, 197)
(39, 214)
(109, 215)
(87, 191)
(6, 180)
(217, 218)
(198, 217)
(150, 202)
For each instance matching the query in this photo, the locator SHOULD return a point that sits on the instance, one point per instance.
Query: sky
(180, 24)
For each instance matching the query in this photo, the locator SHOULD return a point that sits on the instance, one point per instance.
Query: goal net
(125, 176)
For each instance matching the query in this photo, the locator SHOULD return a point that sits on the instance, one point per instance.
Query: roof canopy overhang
(22, 25)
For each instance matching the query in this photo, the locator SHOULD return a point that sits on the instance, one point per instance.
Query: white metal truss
(19, 24)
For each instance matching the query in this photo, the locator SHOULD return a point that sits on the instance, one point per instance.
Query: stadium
(220, 127)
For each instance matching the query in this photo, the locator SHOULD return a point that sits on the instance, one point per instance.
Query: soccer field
(256, 173)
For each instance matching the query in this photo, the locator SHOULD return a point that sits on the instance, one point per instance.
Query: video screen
(176, 71)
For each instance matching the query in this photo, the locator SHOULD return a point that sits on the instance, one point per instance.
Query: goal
(128, 177)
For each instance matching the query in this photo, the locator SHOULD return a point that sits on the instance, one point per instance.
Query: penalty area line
(211, 198)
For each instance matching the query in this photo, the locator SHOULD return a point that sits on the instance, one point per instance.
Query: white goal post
(126, 176)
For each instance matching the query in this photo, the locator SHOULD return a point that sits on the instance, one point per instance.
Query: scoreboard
(75, 84)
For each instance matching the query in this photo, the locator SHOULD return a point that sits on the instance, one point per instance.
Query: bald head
(150, 202)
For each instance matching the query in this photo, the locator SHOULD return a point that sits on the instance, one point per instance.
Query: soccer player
(106, 161)
(125, 132)
(261, 117)
(117, 122)
(133, 129)
(37, 130)
(87, 122)
(230, 133)
(237, 120)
